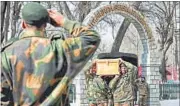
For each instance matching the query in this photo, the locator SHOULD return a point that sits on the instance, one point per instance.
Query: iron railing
(169, 91)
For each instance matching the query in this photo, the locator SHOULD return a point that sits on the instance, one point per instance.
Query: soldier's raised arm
(80, 46)
(77, 49)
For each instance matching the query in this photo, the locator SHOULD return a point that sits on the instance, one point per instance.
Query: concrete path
(170, 102)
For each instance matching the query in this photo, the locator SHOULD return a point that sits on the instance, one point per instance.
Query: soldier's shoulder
(8, 43)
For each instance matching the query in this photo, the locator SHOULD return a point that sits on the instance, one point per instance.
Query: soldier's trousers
(103, 103)
(99, 104)
(127, 103)
(142, 100)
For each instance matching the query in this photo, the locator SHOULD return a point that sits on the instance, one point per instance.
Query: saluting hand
(57, 17)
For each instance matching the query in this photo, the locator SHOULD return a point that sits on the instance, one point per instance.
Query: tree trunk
(122, 30)
(84, 9)
(60, 7)
(15, 17)
(49, 4)
(67, 11)
(176, 53)
(6, 24)
(120, 35)
(3, 11)
(163, 67)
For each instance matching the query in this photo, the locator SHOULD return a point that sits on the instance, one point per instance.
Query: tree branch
(60, 7)
(6, 24)
(96, 5)
(164, 4)
(3, 11)
(160, 8)
(67, 11)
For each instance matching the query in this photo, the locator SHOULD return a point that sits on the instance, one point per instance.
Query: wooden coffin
(107, 66)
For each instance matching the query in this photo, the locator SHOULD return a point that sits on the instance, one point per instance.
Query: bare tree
(15, 17)
(84, 8)
(67, 11)
(162, 14)
(122, 29)
(177, 37)
(5, 21)
(3, 9)
(3, 12)
(49, 4)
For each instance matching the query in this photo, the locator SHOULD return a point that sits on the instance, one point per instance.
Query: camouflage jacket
(36, 70)
(124, 86)
(142, 87)
(98, 90)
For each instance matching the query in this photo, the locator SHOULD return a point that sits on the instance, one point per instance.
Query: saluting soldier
(36, 70)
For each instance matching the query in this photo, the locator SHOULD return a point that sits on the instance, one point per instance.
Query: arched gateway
(150, 58)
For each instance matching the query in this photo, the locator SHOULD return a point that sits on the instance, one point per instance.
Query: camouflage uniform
(123, 87)
(34, 66)
(98, 91)
(143, 92)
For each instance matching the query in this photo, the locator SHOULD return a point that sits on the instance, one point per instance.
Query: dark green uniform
(120, 87)
(34, 68)
(123, 90)
(98, 90)
(143, 93)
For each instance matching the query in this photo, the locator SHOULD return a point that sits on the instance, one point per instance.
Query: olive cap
(35, 14)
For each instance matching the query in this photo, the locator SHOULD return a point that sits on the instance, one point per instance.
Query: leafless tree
(162, 14)
(15, 16)
(5, 22)
(3, 11)
(122, 29)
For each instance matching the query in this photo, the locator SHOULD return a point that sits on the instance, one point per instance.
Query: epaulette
(8, 43)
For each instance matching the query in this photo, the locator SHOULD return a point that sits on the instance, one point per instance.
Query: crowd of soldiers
(116, 90)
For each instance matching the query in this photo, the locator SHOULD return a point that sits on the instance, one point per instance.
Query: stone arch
(136, 18)
(150, 57)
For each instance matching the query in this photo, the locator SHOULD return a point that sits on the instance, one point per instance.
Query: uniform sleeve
(87, 73)
(137, 82)
(134, 74)
(129, 65)
(113, 83)
(6, 88)
(133, 71)
(79, 48)
(134, 77)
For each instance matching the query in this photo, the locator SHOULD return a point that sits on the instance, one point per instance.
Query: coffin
(105, 67)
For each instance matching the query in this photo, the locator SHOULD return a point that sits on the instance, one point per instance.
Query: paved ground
(170, 102)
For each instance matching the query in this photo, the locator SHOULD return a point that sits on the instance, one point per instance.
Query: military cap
(35, 14)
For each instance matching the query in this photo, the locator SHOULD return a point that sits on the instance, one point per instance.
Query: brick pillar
(84, 100)
(153, 76)
(79, 81)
